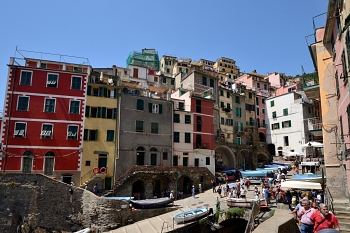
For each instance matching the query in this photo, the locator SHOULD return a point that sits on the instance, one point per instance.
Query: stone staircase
(342, 212)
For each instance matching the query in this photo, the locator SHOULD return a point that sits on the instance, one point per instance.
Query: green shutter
(150, 107)
(160, 109)
(96, 134)
(87, 111)
(272, 127)
(86, 132)
(114, 114)
(283, 124)
(290, 123)
(104, 112)
(99, 110)
(89, 90)
(115, 93)
(105, 90)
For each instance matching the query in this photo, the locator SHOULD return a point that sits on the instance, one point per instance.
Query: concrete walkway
(164, 222)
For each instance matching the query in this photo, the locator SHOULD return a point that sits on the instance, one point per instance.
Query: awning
(291, 184)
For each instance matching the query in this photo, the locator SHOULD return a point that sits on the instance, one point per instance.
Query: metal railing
(328, 200)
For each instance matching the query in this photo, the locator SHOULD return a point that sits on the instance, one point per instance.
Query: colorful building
(42, 130)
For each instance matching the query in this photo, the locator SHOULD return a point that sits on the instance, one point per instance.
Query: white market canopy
(312, 144)
(292, 184)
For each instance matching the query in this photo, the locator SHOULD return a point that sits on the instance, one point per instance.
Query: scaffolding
(148, 58)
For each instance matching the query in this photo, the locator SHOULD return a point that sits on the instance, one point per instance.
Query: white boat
(190, 215)
(243, 202)
(309, 177)
(300, 185)
(86, 230)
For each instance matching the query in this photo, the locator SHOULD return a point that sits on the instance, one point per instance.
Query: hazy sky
(267, 36)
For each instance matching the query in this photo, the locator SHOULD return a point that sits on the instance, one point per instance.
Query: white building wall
(295, 133)
(142, 72)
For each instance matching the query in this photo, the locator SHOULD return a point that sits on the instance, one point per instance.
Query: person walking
(304, 214)
(193, 191)
(95, 189)
(323, 219)
(172, 197)
(214, 186)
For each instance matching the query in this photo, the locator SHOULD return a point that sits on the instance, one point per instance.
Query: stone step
(339, 208)
(343, 214)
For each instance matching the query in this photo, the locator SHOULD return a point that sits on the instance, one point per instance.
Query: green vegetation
(271, 213)
(235, 213)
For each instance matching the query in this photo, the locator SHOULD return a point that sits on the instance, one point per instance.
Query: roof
(138, 86)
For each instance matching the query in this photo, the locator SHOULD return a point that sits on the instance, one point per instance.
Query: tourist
(214, 186)
(219, 190)
(172, 197)
(193, 191)
(234, 193)
(305, 213)
(95, 189)
(243, 192)
(323, 219)
(266, 195)
(180, 194)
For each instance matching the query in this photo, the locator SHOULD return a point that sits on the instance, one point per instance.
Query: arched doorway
(271, 149)
(49, 163)
(184, 184)
(138, 189)
(160, 185)
(154, 155)
(140, 155)
(224, 158)
(262, 137)
(27, 163)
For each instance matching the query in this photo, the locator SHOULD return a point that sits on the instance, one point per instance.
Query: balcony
(315, 126)
(311, 85)
(201, 145)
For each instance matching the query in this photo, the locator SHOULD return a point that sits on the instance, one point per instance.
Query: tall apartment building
(42, 130)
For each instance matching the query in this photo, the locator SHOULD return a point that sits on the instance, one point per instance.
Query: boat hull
(190, 215)
(243, 203)
(151, 203)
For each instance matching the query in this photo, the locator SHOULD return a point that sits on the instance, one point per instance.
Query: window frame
(139, 126)
(42, 136)
(80, 85)
(18, 101)
(17, 135)
(72, 137)
(70, 107)
(55, 85)
(25, 83)
(154, 128)
(110, 135)
(188, 119)
(177, 137)
(45, 105)
(187, 137)
(140, 104)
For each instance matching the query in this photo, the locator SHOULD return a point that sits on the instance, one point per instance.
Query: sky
(263, 35)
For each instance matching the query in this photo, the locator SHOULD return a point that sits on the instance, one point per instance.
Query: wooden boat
(243, 202)
(190, 215)
(151, 203)
(309, 177)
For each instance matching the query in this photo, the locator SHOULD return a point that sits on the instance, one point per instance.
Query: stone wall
(281, 222)
(35, 201)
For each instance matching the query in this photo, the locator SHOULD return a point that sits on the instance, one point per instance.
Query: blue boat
(257, 173)
(128, 199)
(309, 177)
(190, 215)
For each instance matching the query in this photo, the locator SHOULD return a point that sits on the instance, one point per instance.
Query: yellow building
(100, 130)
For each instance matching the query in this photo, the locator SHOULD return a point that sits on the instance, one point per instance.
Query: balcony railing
(310, 80)
(314, 124)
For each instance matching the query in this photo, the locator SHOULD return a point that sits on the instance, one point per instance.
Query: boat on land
(243, 202)
(151, 203)
(190, 215)
(128, 199)
(86, 230)
(300, 185)
(309, 177)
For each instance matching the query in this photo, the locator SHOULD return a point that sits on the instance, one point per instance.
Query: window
(257, 112)
(49, 105)
(222, 104)
(23, 103)
(76, 83)
(237, 100)
(185, 161)
(52, 80)
(177, 118)
(91, 134)
(211, 82)
(238, 112)
(257, 100)
(176, 137)
(168, 70)
(165, 155)
(198, 106)
(263, 123)
(181, 106)
(110, 135)
(258, 85)
(263, 101)
(96, 112)
(139, 104)
(228, 106)
(164, 80)
(286, 124)
(196, 162)
(265, 86)
(26, 78)
(285, 111)
(87, 163)
(155, 108)
(275, 126)
(74, 107)
(139, 126)
(204, 80)
(20, 130)
(72, 133)
(154, 128)
(239, 141)
(286, 141)
(263, 111)
(46, 131)
(348, 112)
(199, 123)
(228, 94)
(250, 95)
(222, 120)
(187, 137)
(274, 115)
(187, 119)
(135, 73)
(207, 160)
(172, 82)
(221, 93)
(272, 103)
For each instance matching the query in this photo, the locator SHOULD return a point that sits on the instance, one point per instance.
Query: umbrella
(312, 144)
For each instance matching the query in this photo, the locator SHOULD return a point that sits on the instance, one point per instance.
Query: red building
(43, 118)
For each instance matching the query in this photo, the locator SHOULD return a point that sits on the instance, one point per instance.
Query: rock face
(37, 203)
